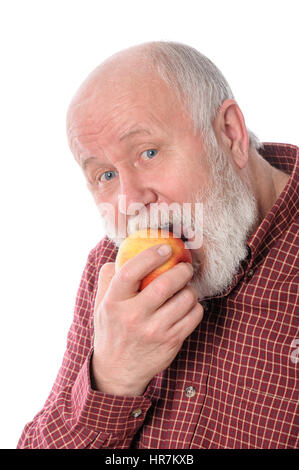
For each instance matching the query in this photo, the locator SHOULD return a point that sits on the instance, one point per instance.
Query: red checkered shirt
(233, 383)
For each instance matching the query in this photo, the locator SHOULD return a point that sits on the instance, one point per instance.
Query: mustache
(161, 216)
(184, 221)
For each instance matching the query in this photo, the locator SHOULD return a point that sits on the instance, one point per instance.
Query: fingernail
(164, 250)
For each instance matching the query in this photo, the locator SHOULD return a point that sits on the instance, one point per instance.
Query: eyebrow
(87, 162)
(134, 131)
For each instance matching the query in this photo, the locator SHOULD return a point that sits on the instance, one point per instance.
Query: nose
(135, 193)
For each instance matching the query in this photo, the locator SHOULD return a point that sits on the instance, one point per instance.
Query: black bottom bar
(158, 458)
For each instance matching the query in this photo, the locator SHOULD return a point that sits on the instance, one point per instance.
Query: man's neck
(267, 181)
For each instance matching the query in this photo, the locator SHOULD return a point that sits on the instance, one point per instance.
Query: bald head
(130, 69)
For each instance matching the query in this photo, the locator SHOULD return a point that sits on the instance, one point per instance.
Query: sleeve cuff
(102, 412)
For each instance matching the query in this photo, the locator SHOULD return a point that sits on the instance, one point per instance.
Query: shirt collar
(286, 158)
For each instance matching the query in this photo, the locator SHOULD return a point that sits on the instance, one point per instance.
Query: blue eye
(151, 153)
(107, 176)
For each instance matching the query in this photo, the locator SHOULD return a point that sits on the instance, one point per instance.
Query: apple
(143, 239)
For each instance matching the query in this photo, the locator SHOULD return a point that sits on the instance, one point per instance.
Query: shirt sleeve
(75, 416)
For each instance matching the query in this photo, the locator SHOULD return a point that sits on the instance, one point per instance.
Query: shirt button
(190, 392)
(250, 273)
(137, 412)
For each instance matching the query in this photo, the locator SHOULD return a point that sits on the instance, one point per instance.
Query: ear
(231, 133)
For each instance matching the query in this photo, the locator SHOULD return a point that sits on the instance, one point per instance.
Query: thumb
(106, 274)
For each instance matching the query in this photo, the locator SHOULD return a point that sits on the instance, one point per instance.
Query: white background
(48, 219)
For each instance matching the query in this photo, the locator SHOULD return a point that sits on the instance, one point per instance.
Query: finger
(190, 321)
(176, 307)
(126, 281)
(165, 286)
(106, 273)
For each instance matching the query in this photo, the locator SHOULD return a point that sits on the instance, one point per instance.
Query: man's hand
(138, 334)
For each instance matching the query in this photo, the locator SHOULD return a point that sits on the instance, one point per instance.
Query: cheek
(111, 212)
(180, 186)
(107, 195)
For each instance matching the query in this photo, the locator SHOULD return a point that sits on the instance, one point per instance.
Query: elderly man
(205, 356)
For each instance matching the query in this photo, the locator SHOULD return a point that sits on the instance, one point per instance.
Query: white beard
(230, 216)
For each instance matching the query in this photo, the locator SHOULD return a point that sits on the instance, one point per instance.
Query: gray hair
(198, 82)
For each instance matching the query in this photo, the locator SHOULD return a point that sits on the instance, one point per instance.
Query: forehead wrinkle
(84, 128)
(83, 115)
(84, 133)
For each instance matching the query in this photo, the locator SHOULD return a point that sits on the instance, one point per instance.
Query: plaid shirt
(233, 383)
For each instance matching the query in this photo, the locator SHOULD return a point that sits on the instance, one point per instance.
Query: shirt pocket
(267, 414)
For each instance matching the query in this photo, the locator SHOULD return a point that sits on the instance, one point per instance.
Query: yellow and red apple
(143, 239)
